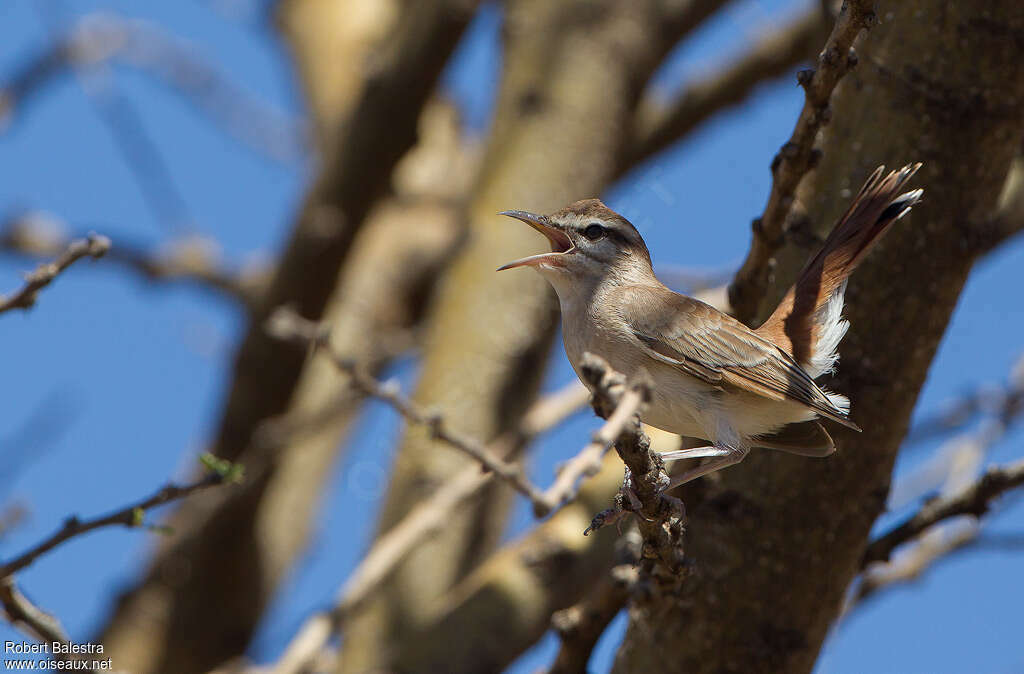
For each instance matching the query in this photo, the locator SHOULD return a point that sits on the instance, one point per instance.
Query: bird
(714, 378)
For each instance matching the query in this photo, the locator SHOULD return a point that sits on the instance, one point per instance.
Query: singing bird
(714, 378)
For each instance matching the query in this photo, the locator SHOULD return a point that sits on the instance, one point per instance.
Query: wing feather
(719, 350)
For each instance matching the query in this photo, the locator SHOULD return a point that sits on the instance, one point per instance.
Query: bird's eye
(594, 231)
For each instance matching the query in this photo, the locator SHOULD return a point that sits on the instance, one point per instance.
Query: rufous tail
(808, 321)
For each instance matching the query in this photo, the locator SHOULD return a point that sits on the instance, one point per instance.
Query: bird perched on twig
(714, 378)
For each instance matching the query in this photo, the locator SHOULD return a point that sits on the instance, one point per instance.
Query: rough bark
(556, 138)
(777, 539)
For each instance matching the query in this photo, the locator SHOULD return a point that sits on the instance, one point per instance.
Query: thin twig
(21, 611)
(93, 245)
(933, 545)
(285, 324)
(798, 155)
(46, 628)
(35, 235)
(589, 460)
(129, 516)
(427, 518)
(37, 623)
(975, 500)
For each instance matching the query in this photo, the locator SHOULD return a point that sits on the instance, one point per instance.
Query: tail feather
(808, 322)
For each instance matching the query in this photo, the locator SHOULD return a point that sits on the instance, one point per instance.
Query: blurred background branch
(193, 260)
(93, 246)
(102, 38)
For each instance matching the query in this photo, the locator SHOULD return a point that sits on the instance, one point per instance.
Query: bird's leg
(627, 492)
(695, 453)
(727, 456)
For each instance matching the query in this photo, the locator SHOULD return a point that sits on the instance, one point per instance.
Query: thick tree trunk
(777, 539)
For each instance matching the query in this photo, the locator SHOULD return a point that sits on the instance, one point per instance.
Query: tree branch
(580, 626)
(660, 516)
(189, 261)
(935, 544)
(129, 516)
(246, 543)
(420, 523)
(589, 460)
(93, 245)
(658, 125)
(798, 155)
(20, 610)
(507, 601)
(287, 325)
(975, 500)
(101, 38)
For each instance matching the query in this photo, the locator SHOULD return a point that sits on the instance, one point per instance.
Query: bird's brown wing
(717, 349)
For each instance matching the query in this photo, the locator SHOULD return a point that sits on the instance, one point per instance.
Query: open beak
(560, 243)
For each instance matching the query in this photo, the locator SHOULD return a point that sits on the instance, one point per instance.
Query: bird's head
(589, 241)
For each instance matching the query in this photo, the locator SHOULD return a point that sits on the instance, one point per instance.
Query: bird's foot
(625, 502)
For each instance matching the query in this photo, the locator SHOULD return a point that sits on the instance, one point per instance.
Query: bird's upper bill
(560, 243)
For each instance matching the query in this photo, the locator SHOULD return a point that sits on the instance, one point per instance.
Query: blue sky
(126, 378)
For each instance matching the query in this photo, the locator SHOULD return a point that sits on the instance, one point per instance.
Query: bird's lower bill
(560, 243)
(549, 259)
